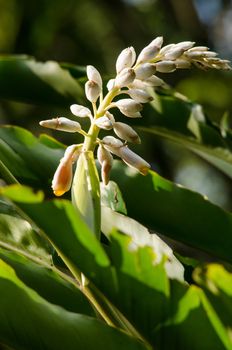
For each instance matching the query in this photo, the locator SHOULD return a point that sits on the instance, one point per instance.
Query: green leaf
(46, 326)
(164, 311)
(25, 80)
(17, 234)
(175, 212)
(25, 194)
(217, 284)
(193, 323)
(29, 159)
(48, 282)
(142, 237)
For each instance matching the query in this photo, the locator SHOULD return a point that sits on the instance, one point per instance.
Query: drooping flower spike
(133, 77)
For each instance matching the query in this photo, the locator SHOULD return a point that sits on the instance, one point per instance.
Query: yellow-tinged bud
(62, 179)
(134, 160)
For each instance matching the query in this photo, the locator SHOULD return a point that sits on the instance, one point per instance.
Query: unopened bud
(154, 81)
(150, 51)
(94, 75)
(185, 45)
(80, 111)
(129, 107)
(62, 124)
(165, 66)
(183, 64)
(125, 59)
(166, 49)
(126, 132)
(104, 155)
(110, 84)
(62, 179)
(139, 95)
(105, 172)
(112, 144)
(134, 160)
(104, 123)
(110, 117)
(173, 53)
(198, 48)
(125, 77)
(144, 71)
(92, 90)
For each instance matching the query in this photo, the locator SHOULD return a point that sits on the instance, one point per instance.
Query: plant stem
(6, 174)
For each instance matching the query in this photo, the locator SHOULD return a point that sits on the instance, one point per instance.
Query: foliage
(62, 287)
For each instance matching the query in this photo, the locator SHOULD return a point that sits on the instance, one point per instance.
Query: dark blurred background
(95, 31)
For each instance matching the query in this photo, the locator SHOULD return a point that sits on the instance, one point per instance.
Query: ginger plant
(133, 78)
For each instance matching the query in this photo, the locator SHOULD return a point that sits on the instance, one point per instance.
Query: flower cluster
(133, 77)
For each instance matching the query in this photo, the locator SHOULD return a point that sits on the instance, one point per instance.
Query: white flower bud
(125, 59)
(126, 132)
(138, 84)
(94, 75)
(125, 77)
(134, 160)
(110, 84)
(62, 124)
(149, 52)
(200, 54)
(139, 95)
(154, 81)
(104, 155)
(110, 117)
(166, 49)
(165, 66)
(104, 123)
(92, 90)
(112, 144)
(185, 45)
(173, 54)
(80, 111)
(183, 64)
(198, 48)
(144, 71)
(129, 107)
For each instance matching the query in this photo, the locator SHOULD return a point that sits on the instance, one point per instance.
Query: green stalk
(7, 175)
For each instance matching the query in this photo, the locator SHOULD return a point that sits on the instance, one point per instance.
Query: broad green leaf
(46, 326)
(159, 309)
(25, 194)
(175, 212)
(17, 234)
(48, 282)
(29, 159)
(86, 191)
(26, 80)
(217, 284)
(142, 237)
(193, 323)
